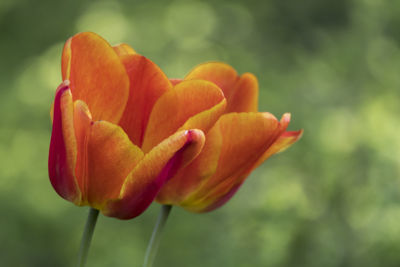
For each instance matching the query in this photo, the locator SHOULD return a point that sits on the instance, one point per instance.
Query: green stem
(156, 236)
(87, 236)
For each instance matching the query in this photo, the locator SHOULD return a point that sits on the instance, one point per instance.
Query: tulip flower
(121, 128)
(239, 141)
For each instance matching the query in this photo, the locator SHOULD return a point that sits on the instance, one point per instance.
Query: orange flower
(236, 144)
(121, 129)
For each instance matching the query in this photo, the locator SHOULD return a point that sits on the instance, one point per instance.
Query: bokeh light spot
(105, 19)
(190, 23)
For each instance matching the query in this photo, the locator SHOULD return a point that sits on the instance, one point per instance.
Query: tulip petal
(147, 84)
(105, 157)
(206, 119)
(225, 190)
(245, 137)
(111, 156)
(285, 141)
(186, 101)
(159, 165)
(63, 149)
(244, 97)
(97, 75)
(219, 73)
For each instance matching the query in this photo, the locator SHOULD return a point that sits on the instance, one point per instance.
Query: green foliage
(330, 200)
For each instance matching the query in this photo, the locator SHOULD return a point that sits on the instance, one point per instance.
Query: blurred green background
(333, 199)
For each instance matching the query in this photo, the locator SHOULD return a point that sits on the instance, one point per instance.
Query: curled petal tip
(294, 134)
(286, 117)
(66, 83)
(285, 120)
(192, 135)
(285, 141)
(195, 140)
(64, 86)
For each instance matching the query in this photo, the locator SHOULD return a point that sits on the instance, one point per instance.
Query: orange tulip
(239, 141)
(121, 129)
